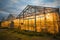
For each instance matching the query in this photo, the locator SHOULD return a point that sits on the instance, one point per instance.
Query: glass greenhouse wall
(39, 19)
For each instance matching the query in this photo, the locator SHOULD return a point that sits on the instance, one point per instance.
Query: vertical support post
(54, 23)
(40, 24)
(45, 30)
(35, 20)
(23, 20)
(19, 28)
(28, 24)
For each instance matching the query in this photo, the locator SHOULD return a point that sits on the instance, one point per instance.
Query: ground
(6, 34)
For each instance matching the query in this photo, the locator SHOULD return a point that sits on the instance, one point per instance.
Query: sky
(16, 6)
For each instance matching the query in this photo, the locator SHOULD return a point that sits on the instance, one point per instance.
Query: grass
(14, 34)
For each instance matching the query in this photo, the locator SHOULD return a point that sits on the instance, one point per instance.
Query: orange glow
(41, 22)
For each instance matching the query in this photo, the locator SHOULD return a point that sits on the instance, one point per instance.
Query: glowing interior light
(40, 22)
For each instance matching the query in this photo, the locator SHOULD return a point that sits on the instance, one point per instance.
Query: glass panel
(21, 24)
(38, 26)
(52, 22)
(46, 20)
(31, 24)
(26, 24)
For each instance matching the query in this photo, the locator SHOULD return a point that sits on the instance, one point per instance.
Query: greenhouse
(35, 19)
(39, 19)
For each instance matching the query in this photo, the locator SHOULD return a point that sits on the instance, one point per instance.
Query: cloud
(47, 3)
(14, 1)
(53, 4)
(35, 2)
(3, 14)
(58, 2)
(16, 6)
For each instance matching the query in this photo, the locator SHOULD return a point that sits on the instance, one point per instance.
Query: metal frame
(32, 11)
